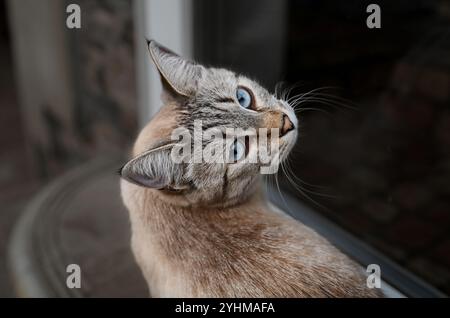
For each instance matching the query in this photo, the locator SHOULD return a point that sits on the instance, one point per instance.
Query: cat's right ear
(179, 76)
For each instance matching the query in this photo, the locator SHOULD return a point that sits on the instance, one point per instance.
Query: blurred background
(376, 175)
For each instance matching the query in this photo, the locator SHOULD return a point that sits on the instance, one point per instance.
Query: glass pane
(374, 148)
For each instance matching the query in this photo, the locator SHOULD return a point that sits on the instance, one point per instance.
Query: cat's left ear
(155, 169)
(178, 75)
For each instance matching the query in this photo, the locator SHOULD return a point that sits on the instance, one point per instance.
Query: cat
(206, 229)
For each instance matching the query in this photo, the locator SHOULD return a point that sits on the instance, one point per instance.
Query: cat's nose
(286, 125)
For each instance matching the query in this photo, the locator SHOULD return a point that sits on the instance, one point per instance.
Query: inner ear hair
(179, 76)
(155, 169)
(169, 94)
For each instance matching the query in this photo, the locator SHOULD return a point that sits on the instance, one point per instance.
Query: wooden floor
(79, 219)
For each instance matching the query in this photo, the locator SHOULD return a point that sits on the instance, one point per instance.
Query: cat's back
(259, 252)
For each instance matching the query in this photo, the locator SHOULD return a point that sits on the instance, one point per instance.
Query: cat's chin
(287, 144)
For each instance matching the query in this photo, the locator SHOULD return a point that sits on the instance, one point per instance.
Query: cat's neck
(158, 210)
(158, 202)
(170, 228)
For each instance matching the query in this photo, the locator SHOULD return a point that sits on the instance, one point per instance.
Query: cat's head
(218, 108)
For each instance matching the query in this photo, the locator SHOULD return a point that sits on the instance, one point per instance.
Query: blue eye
(244, 97)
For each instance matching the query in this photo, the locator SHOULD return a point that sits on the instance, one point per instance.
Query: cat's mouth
(270, 144)
(288, 142)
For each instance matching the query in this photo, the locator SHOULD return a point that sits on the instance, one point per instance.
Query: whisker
(290, 89)
(329, 102)
(303, 193)
(278, 89)
(343, 101)
(320, 96)
(288, 165)
(290, 177)
(301, 110)
(299, 96)
(282, 197)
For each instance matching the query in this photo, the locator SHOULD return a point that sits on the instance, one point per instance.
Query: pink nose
(286, 125)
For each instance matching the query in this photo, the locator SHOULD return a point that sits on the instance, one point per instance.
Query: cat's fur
(206, 230)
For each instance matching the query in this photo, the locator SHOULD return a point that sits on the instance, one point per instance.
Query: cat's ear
(155, 169)
(178, 75)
